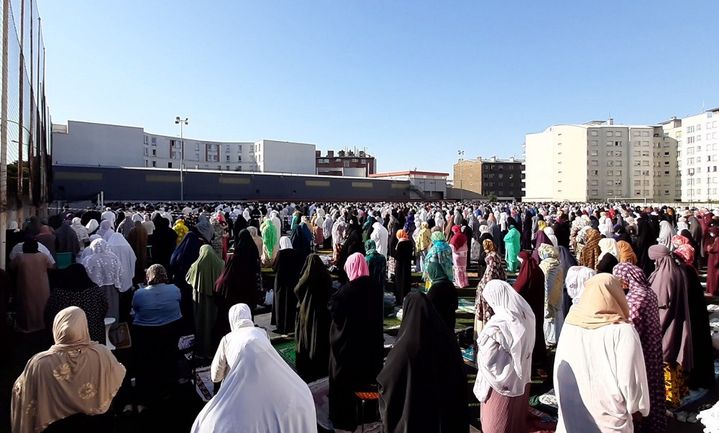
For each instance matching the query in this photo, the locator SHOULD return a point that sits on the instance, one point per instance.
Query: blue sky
(410, 81)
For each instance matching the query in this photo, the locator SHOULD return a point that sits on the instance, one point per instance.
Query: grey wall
(128, 184)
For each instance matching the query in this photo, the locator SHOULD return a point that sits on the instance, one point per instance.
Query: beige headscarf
(602, 303)
(74, 376)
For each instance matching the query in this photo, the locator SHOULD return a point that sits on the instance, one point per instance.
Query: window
(154, 163)
(594, 172)
(239, 157)
(645, 133)
(594, 182)
(610, 153)
(610, 173)
(595, 142)
(610, 133)
(595, 163)
(593, 133)
(690, 140)
(595, 192)
(610, 182)
(618, 172)
(169, 165)
(146, 139)
(154, 141)
(154, 152)
(617, 133)
(594, 153)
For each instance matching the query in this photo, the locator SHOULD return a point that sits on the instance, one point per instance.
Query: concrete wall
(285, 157)
(98, 144)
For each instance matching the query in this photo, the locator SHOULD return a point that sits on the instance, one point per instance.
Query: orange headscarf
(626, 253)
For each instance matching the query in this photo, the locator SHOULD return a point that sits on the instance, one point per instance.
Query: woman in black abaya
(356, 341)
(287, 267)
(414, 396)
(313, 320)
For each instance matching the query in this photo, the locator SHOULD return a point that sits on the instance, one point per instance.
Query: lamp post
(460, 154)
(180, 121)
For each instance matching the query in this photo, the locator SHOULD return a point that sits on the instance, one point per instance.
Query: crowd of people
(605, 302)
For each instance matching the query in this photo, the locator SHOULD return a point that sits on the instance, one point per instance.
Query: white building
(285, 157)
(698, 138)
(601, 161)
(84, 143)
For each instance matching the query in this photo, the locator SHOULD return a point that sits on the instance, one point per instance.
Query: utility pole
(180, 121)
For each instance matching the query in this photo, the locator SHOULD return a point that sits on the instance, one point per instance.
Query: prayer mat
(286, 349)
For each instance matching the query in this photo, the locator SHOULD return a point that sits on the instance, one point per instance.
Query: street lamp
(180, 121)
(460, 154)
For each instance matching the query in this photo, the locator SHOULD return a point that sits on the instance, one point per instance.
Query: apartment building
(600, 161)
(97, 144)
(490, 177)
(698, 151)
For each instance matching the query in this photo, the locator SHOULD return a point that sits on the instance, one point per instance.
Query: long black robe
(313, 320)
(240, 282)
(423, 385)
(163, 241)
(403, 253)
(443, 295)
(356, 347)
(645, 239)
(284, 306)
(702, 374)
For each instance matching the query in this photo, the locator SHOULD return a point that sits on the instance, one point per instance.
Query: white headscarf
(92, 225)
(118, 245)
(260, 389)
(551, 236)
(102, 265)
(665, 234)
(504, 353)
(240, 317)
(576, 277)
(608, 246)
(285, 243)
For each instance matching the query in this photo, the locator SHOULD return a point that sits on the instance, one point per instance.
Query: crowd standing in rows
(613, 288)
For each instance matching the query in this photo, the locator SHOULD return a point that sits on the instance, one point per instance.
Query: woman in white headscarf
(104, 269)
(260, 392)
(607, 246)
(75, 376)
(80, 231)
(504, 360)
(576, 277)
(105, 230)
(551, 236)
(665, 234)
(122, 249)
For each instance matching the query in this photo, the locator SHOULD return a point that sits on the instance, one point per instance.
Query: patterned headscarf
(156, 274)
(488, 246)
(686, 253)
(591, 250)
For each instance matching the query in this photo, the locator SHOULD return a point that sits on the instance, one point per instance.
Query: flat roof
(409, 173)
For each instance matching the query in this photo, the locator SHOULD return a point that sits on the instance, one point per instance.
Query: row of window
(698, 127)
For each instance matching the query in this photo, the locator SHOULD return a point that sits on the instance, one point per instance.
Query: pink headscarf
(356, 266)
(686, 253)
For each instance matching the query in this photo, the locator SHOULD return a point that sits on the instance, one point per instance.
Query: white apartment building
(601, 161)
(698, 138)
(85, 143)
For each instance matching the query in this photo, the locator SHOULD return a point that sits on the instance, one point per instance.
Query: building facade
(601, 161)
(96, 144)
(423, 185)
(25, 140)
(698, 143)
(489, 178)
(346, 163)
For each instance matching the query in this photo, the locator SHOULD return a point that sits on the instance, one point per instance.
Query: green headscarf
(204, 272)
(435, 272)
(370, 247)
(269, 237)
